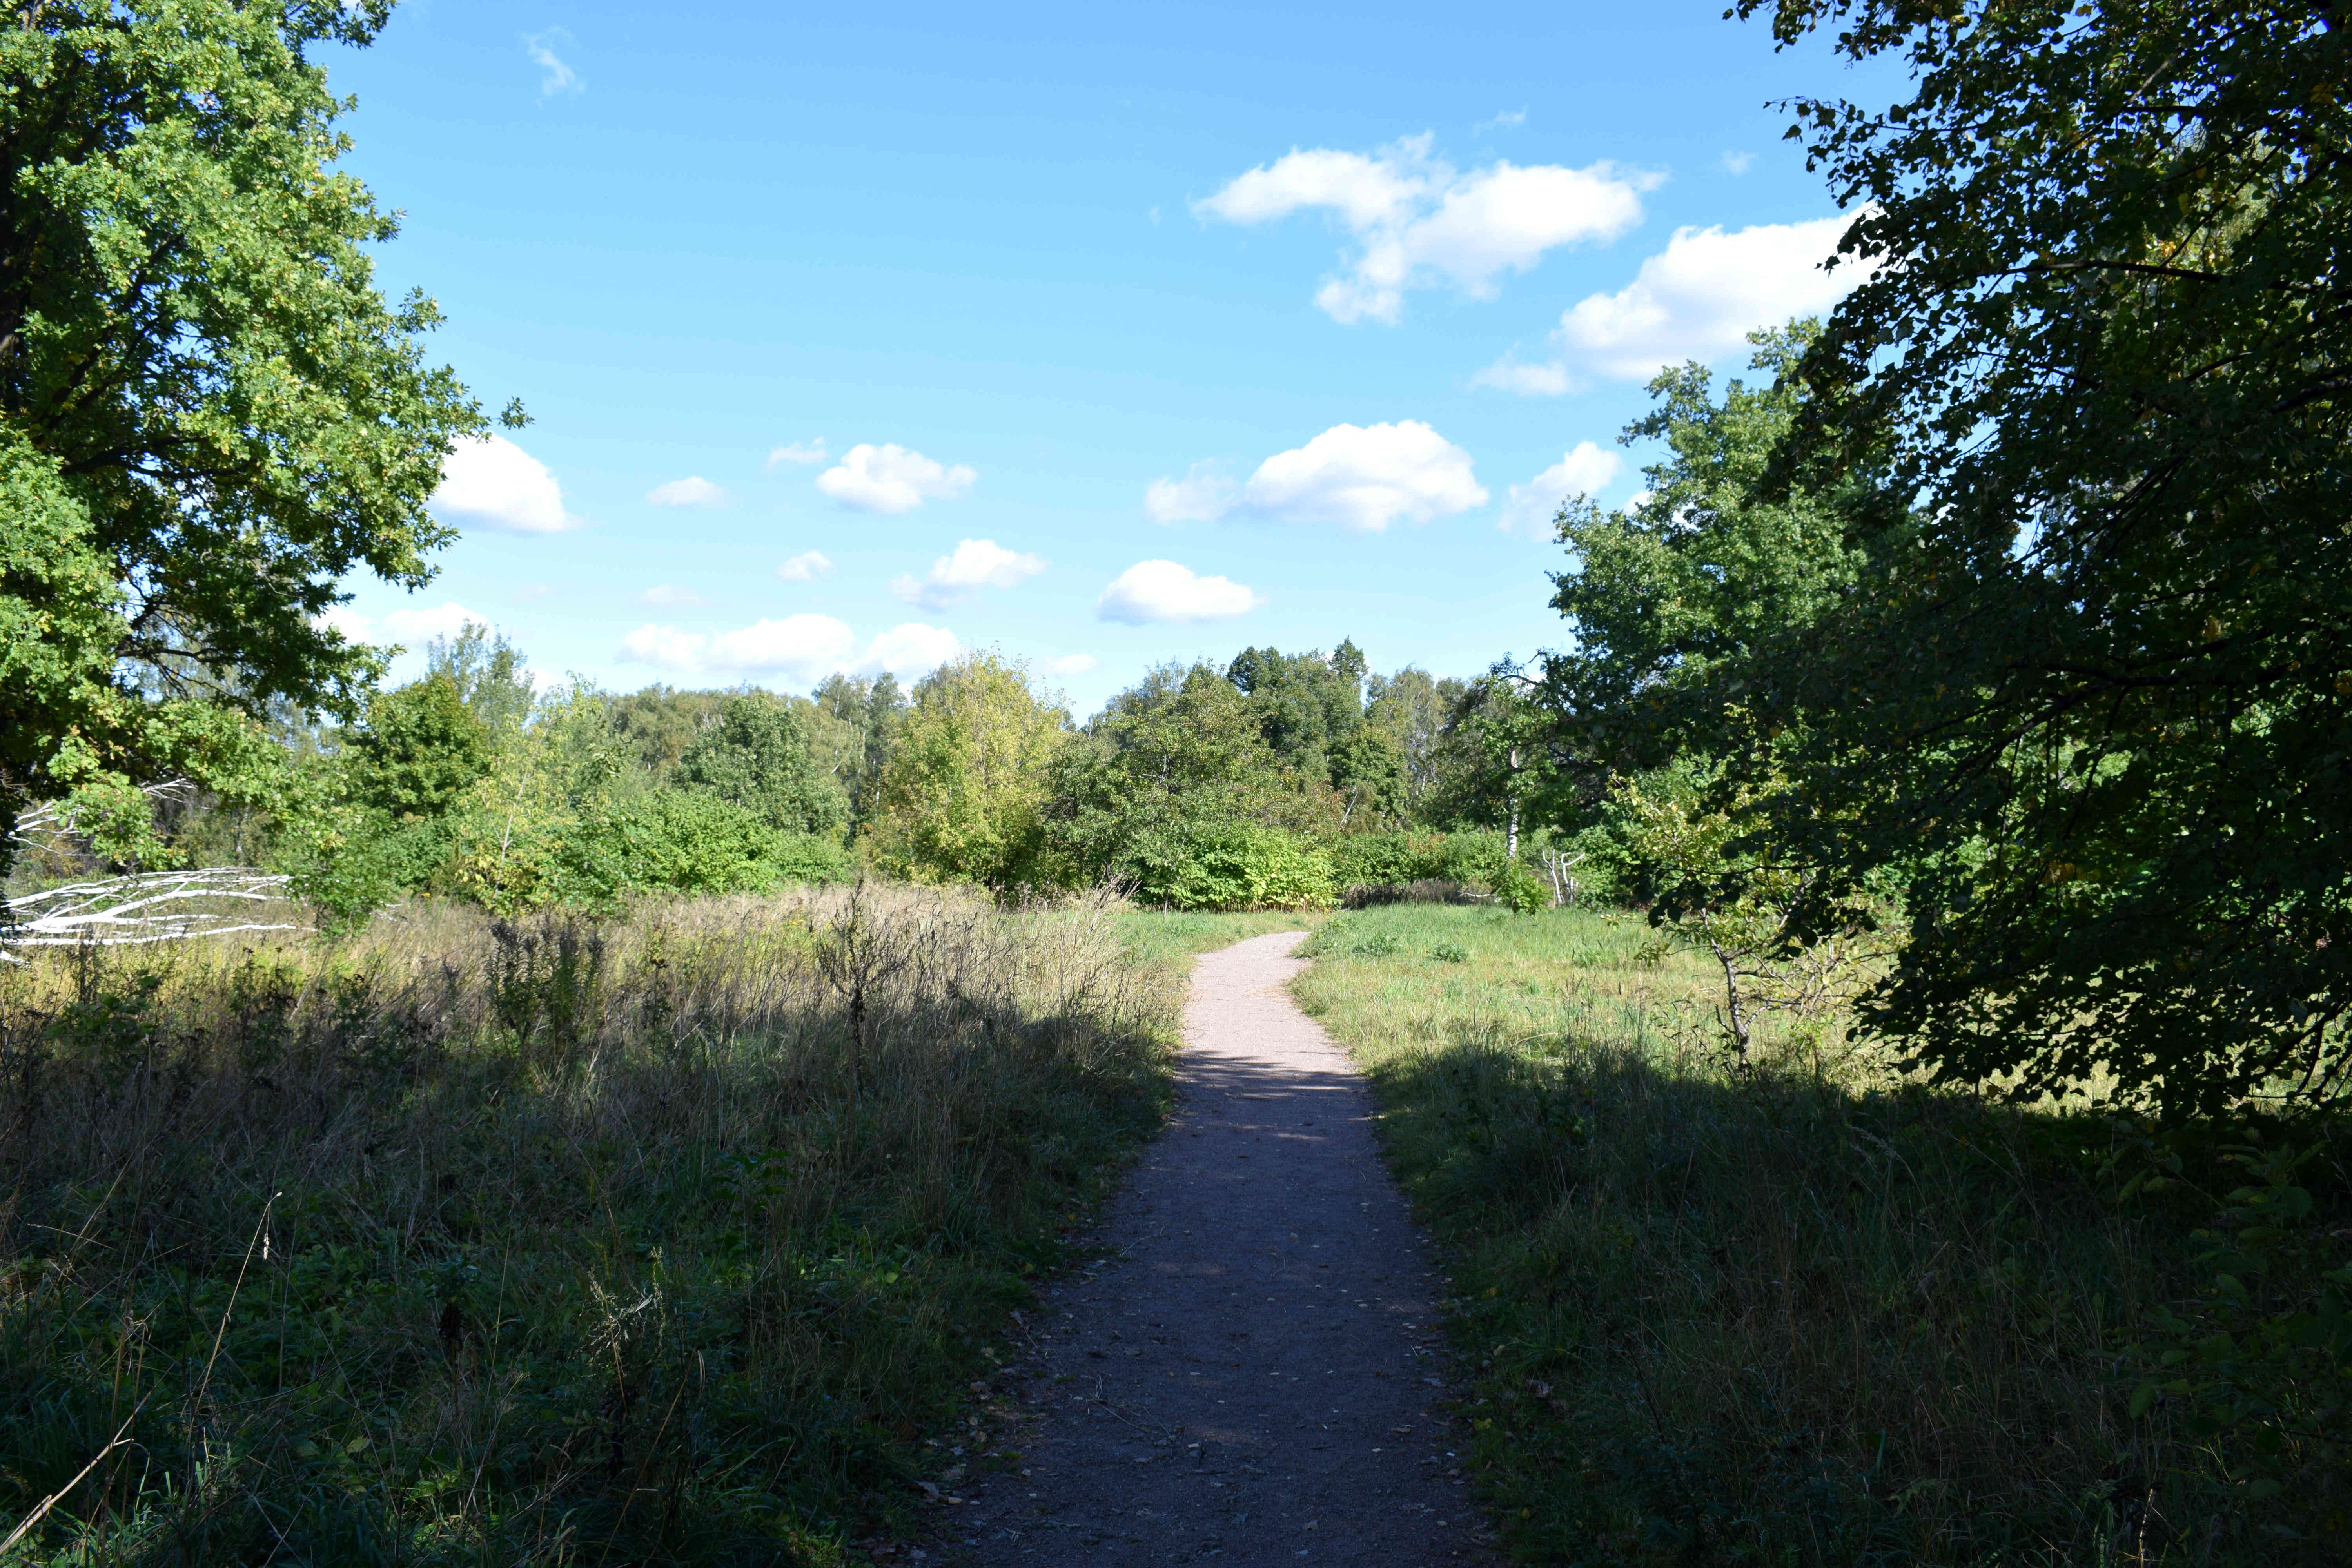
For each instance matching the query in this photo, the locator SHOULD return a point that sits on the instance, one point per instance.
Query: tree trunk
(1511, 845)
(1739, 1021)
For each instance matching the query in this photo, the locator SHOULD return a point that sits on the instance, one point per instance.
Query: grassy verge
(1802, 1315)
(663, 1241)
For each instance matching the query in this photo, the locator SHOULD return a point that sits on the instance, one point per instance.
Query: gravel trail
(1253, 1375)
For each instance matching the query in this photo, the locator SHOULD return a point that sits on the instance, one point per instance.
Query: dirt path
(1252, 1377)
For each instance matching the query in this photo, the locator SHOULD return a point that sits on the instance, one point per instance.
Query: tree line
(1275, 779)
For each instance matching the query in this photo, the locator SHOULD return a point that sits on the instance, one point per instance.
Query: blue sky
(1101, 335)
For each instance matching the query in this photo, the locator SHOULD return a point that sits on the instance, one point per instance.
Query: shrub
(1236, 866)
(1396, 860)
(1520, 889)
(676, 841)
(689, 841)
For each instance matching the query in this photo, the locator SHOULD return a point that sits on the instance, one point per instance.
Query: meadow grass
(667, 1239)
(1803, 1312)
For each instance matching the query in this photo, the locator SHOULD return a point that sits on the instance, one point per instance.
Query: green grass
(1806, 1314)
(1169, 938)
(665, 1241)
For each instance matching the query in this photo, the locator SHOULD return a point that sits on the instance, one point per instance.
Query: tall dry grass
(665, 1239)
(1803, 1312)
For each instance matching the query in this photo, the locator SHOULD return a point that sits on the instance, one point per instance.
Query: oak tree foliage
(209, 416)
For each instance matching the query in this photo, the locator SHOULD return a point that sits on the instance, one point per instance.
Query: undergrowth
(661, 1240)
(1812, 1313)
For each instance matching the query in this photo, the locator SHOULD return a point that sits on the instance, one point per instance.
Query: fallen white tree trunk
(146, 907)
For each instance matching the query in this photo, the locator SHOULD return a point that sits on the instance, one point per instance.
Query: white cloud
(1070, 664)
(667, 647)
(355, 628)
(531, 591)
(692, 490)
(799, 453)
(1509, 118)
(558, 76)
(806, 567)
(1366, 477)
(800, 648)
(444, 620)
(1698, 298)
(909, 651)
(491, 483)
(670, 597)
(1417, 220)
(1202, 495)
(1738, 162)
(1585, 470)
(804, 648)
(891, 479)
(959, 576)
(1550, 379)
(1152, 590)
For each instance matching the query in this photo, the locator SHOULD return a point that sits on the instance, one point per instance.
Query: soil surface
(1252, 1374)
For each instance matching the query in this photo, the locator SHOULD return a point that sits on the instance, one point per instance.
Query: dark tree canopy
(2103, 700)
(757, 757)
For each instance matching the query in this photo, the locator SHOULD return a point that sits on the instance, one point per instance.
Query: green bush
(1235, 866)
(1520, 889)
(690, 841)
(679, 841)
(1374, 859)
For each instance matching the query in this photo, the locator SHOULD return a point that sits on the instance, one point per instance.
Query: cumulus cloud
(692, 490)
(910, 651)
(1367, 476)
(556, 76)
(804, 648)
(1738, 162)
(1153, 591)
(1070, 664)
(800, 454)
(806, 567)
(891, 479)
(1584, 470)
(1416, 220)
(670, 597)
(1202, 495)
(958, 577)
(1698, 298)
(487, 481)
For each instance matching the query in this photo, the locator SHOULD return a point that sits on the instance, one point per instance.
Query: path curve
(1253, 1375)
